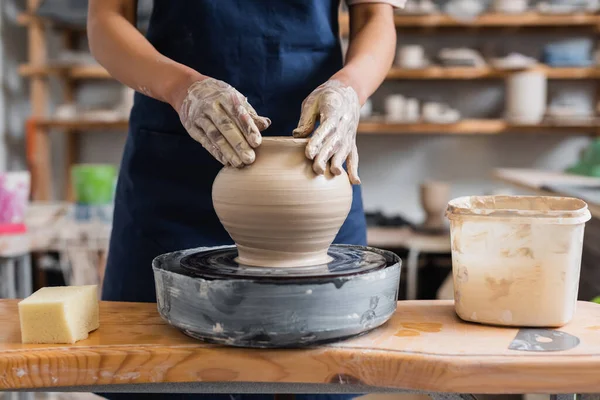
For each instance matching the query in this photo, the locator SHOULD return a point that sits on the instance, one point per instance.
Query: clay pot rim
(284, 140)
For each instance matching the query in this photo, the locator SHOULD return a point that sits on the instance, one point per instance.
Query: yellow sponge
(63, 314)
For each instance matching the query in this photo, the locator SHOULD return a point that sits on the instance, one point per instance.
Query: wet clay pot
(277, 210)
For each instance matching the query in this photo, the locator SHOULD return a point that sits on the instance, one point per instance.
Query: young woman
(212, 77)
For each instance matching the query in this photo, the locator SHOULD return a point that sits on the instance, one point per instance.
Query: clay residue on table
(406, 332)
(416, 328)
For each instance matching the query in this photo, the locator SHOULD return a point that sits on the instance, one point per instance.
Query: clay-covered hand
(337, 108)
(220, 118)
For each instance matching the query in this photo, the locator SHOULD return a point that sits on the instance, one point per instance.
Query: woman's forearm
(371, 49)
(131, 59)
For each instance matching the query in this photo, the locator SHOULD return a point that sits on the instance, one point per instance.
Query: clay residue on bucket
(518, 206)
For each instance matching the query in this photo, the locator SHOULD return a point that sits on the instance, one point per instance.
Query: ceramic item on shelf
(411, 57)
(94, 184)
(411, 7)
(570, 108)
(465, 10)
(66, 111)
(411, 111)
(575, 52)
(461, 57)
(277, 210)
(423, 7)
(510, 6)
(513, 61)
(434, 199)
(367, 109)
(70, 111)
(439, 113)
(592, 6)
(395, 106)
(526, 97)
(79, 57)
(108, 115)
(14, 196)
(567, 6)
(428, 7)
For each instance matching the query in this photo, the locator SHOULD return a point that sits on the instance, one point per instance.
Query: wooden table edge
(347, 363)
(355, 365)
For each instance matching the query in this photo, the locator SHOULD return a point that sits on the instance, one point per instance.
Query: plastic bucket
(516, 259)
(93, 183)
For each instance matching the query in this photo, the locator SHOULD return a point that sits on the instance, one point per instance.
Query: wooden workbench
(51, 228)
(423, 348)
(535, 180)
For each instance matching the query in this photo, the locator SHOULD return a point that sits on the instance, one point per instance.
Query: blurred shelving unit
(530, 22)
(39, 68)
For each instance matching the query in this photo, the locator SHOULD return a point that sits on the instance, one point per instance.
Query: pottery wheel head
(220, 263)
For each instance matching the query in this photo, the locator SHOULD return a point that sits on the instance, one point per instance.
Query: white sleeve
(393, 3)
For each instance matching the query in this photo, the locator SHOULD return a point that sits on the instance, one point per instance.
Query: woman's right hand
(220, 118)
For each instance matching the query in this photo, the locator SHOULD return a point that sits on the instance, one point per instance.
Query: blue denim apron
(274, 52)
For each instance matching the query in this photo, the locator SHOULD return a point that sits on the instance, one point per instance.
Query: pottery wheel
(209, 296)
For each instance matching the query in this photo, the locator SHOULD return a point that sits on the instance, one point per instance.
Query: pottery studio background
(461, 101)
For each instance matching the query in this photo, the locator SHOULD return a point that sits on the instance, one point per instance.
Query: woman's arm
(213, 113)
(371, 49)
(131, 59)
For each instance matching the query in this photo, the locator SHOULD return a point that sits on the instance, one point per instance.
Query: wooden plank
(435, 72)
(423, 347)
(572, 73)
(80, 125)
(490, 20)
(30, 18)
(534, 180)
(460, 73)
(465, 127)
(469, 127)
(66, 70)
(71, 137)
(37, 54)
(438, 72)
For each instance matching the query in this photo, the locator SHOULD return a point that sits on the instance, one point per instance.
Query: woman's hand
(337, 102)
(221, 119)
(337, 107)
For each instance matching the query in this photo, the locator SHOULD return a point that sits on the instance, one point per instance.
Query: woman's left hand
(337, 107)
